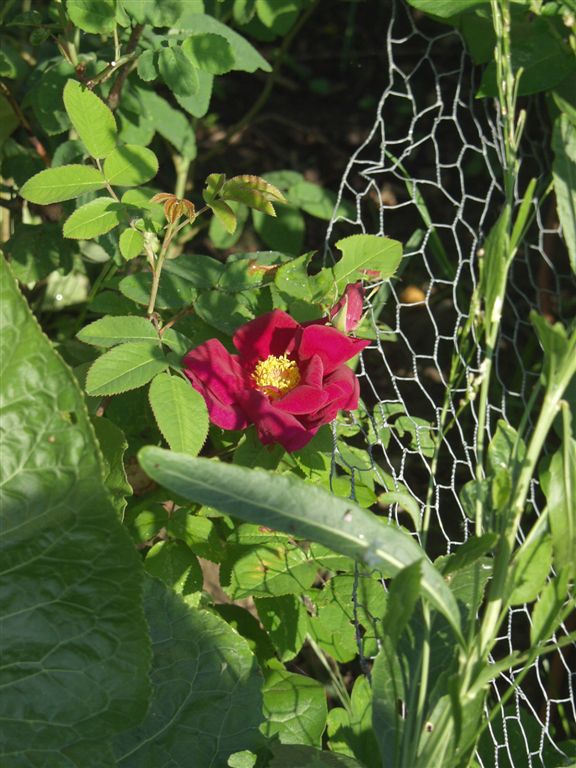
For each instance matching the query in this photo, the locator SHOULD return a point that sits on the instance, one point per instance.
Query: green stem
(182, 165)
(158, 268)
(335, 676)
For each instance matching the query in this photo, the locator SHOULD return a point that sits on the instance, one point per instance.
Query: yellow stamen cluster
(276, 376)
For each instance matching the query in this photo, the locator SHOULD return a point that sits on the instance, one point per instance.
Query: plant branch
(116, 90)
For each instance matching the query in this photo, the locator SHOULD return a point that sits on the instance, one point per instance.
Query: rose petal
(342, 391)
(216, 374)
(302, 399)
(312, 372)
(271, 334)
(333, 347)
(274, 425)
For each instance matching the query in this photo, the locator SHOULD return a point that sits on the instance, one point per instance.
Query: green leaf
(468, 553)
(317, 201)
(207, 689)
(254, 192)
(444, 8)
(294, 707)
(147, 65)
(529, 570)
(174, 563)
(181, 413)
(97, 16)
(284, 232)
(285, 619)
(213, 185)
(109, 331)
(197, 104)
(246, 57)
(350, 732)
(293, 280)
(95, 218)
(494, 268)
(225, 215)
(251, 453)
(37, 250)
(210, 52)
(402, 598)
(559, 485)
(92, 119)
(113, 445)
(158, 14)
(277, 15)
(169, 122)
(127, 366)
(268, 570)
(130, 166)
(545, 58)
(289, 504)
(366, 252)
(73, 640)
(559, 353)
(301, 756)
(564, 171)
(506, 447)
(64, 183)
(548, 610)
(131, 243)
(177, 71)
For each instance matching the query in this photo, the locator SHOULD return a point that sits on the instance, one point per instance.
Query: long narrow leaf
(291, 505)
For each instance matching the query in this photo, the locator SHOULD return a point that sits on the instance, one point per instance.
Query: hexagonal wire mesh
(429, 174)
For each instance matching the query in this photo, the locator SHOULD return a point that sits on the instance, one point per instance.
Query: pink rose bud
(345, 315)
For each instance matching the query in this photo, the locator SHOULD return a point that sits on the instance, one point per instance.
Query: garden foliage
(173, 416)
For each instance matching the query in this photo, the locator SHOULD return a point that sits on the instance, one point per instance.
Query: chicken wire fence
(430, 174)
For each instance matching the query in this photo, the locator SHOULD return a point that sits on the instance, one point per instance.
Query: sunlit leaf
(92, 119)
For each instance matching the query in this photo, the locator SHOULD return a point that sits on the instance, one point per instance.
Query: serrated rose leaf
(180, 412)
(127, 366)
(94, 121)
(55, 185)
(95, 218)
(130, 166)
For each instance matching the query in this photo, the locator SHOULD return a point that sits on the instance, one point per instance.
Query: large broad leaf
(92, 119)
(295, 708)
(73, 641)
(291, 505)
(64, 183)
(181, 413)
(207, 690)
(564, 168)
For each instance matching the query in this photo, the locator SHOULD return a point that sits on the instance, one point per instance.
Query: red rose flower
(287, 379)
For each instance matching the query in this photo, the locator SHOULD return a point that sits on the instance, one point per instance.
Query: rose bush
(287, 379)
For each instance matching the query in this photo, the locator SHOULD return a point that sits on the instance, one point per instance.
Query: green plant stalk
(158, 267)
(334, 673)
(497, 599)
